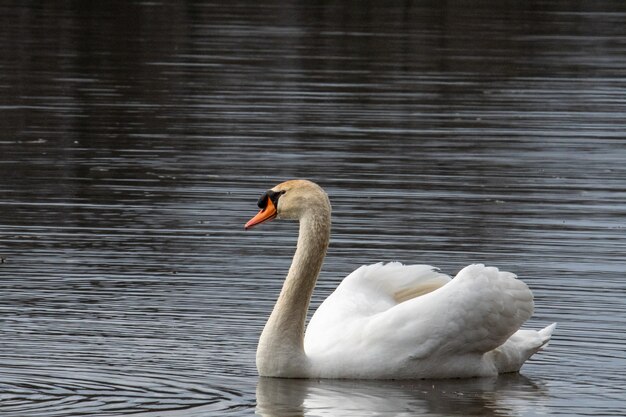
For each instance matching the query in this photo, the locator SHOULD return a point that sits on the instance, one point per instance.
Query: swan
(388, 320)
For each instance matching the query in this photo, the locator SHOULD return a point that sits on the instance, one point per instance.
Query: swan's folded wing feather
(441, 333)
(475, 313)
(366, 292)
(378, 287)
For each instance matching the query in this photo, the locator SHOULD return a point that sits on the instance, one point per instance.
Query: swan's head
(291, 200)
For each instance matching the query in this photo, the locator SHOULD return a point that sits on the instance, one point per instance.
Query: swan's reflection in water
(506, 395)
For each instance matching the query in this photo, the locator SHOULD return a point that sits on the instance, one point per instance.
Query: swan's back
(396, 321)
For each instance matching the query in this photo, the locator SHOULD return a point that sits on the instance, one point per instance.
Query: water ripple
(137, 136)
(62, 391)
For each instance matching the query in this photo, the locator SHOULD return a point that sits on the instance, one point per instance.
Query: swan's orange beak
(266, 214)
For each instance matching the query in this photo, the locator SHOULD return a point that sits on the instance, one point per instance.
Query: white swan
(388, 321)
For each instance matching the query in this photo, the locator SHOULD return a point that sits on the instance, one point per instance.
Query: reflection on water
(135, 138)
(507, 395)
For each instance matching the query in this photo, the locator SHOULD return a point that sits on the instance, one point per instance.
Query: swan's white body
(389, 321)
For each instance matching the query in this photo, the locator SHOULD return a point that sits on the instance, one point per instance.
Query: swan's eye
(269, 194)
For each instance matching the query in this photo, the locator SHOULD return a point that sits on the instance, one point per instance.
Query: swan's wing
(473, 313)
(366, 292)
(372, 289)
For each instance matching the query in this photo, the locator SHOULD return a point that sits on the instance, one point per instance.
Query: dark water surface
(136, 137)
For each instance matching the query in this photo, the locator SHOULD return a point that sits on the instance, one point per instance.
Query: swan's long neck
(281, 346)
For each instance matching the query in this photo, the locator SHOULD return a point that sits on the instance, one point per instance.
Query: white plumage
(389, 321)
(363, 331)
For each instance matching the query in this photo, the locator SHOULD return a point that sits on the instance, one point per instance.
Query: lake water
(136, 138)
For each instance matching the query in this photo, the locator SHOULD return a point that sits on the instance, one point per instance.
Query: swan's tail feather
(520, 347)
(545, 334)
